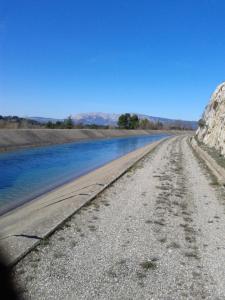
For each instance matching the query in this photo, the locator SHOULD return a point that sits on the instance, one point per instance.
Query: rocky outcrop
(211, 129)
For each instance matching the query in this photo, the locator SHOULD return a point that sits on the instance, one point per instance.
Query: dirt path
(157, 233)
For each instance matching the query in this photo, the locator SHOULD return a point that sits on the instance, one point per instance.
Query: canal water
(26, 174)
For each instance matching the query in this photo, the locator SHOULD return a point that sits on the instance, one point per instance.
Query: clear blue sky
(60, 57)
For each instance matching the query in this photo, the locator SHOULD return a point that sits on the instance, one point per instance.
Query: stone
(211, 130)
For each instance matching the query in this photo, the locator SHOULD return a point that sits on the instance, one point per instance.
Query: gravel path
(156, 233)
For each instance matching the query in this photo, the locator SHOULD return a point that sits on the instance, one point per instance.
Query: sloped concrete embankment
(214, 167)
(12, 139)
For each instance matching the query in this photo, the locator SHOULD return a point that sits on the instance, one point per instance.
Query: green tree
(146, 124)
(201, 123)
(68, 123)
(128, 121)
(49, 125)
(134, 122)
(124, 121)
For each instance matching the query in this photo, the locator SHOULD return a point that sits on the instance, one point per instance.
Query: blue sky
(162, 58)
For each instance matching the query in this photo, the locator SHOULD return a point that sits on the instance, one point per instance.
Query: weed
(92, 227)
(148, 264)
(44, 242)
(163, 240)
(191, 254)
(189, 239)
(188, 219)
(173, 245)
(148, 222)
(159, 222)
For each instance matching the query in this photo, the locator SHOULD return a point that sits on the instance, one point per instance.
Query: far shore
(15, 139)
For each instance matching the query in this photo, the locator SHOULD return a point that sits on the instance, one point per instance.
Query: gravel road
(156, 233)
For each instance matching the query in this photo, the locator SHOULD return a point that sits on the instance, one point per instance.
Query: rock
(211, 130)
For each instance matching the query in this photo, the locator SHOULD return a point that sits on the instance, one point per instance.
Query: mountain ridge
(110, 119)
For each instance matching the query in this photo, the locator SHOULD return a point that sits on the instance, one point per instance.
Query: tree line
(132, 121)
(65, 124)
(125, 121)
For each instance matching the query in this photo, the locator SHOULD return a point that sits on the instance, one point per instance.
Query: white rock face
(211, 131)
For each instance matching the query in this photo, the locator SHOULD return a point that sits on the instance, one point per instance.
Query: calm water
(26, 174)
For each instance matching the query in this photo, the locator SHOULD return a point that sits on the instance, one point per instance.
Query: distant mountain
(107, 119)
(111, 119)
(43, 120)
(96, 118)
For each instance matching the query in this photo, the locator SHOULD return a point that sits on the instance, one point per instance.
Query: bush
(201, 123)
